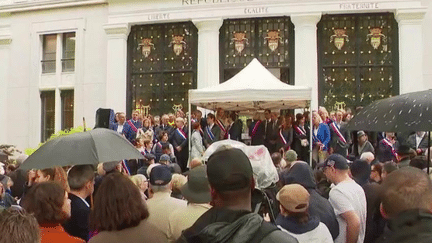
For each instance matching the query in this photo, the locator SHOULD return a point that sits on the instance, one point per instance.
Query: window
(68, 60)
(358, 59)
(48, 114)
(162, 61)
(67, 109)
(66, 52)
(49, 53)
(270, 40)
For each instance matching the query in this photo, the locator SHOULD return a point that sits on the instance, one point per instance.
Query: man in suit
(235, 127)
(387, 148)
(270, 129)
(164, 126)
(340, 137)
(179, 140)
(212, 131)
(124, 128)
(418, 142)
(81, 183)
(256, 130)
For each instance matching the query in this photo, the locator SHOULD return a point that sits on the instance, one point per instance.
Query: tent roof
(253, 88)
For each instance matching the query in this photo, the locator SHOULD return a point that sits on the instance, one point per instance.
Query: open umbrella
(403, 113)
(92, 147)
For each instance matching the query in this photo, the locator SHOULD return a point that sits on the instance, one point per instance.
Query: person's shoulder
(278, 236)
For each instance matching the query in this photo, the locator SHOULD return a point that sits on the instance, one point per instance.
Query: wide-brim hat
(197, 188)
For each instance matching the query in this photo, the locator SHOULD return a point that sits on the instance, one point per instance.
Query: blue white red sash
(132, 126)
(254, 130)
(222, 127)
(393, 151)
(181, 133)
(335, 128)
(125, 168)
(209, 133)
(282, 137)
(300, 130)
(159, 144)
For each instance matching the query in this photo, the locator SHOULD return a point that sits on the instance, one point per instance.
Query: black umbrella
(92, 147)
(403, 113)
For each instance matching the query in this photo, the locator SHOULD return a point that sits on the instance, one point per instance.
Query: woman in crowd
(197, 142)
(158, 147)
(50, 205)
(376, 171)
(285, 134)
(142, 183)
(120, 214)
(146, 124)
(321, 138)
(301, 138)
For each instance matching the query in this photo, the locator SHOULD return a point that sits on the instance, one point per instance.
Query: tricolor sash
(132, 126)
(159, 144)
(222, 127)
(181, 133)
(125, 167)
(209, 133)
(393, 151)
(300, 131)
(335, 128)
(254, 130)
(282, 138)
(315, 139)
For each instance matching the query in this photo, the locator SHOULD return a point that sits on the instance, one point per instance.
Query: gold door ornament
(177, 107)
(178, 44)
(376, 37)
(146, 46)
(273, 40)
(240, 41)
(339, 38)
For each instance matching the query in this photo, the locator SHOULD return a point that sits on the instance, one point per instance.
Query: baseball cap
(229, 170)
(149, 156)
(165, 157)
(360, 133)
(197, 189)
(337, 161)
(294, 198)
(160, 175)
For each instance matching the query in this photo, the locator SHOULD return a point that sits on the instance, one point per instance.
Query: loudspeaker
(103, 118)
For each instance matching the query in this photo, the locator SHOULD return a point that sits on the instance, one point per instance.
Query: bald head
(404, 189)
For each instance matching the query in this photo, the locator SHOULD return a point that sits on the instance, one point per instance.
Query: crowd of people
(353, 189)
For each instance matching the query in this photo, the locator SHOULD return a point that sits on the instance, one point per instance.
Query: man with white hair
(179, 140)
(368, 157)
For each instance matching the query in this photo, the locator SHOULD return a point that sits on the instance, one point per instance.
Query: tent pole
(189, 130)
(310, 136)
(428, 157)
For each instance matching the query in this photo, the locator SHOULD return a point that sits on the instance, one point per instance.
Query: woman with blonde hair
(321, 137)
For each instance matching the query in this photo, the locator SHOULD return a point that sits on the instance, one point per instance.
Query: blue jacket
(323, 135)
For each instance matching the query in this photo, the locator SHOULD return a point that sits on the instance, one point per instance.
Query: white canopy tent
(253, 88)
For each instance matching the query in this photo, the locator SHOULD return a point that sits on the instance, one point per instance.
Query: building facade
(62, 60)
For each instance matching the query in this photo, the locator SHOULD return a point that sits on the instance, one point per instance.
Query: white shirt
(418, 140)
(320, 234)
(120, 128)
(348, 196)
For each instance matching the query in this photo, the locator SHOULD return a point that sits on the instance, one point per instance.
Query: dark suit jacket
(336, 143)
(178, 140)
(258, 139)
(235, 130)
(216, 132)
(385, 152)
(411, 142)
(78, 224)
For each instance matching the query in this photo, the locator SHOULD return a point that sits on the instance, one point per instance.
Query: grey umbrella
(92, 147)
(403, 113)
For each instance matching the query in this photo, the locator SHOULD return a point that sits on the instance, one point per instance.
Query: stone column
(5, 40)
(410, 49)
(306, 56)
(208, 52)
(116, 66)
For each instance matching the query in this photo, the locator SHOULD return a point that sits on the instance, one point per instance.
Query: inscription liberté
(196, 2)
